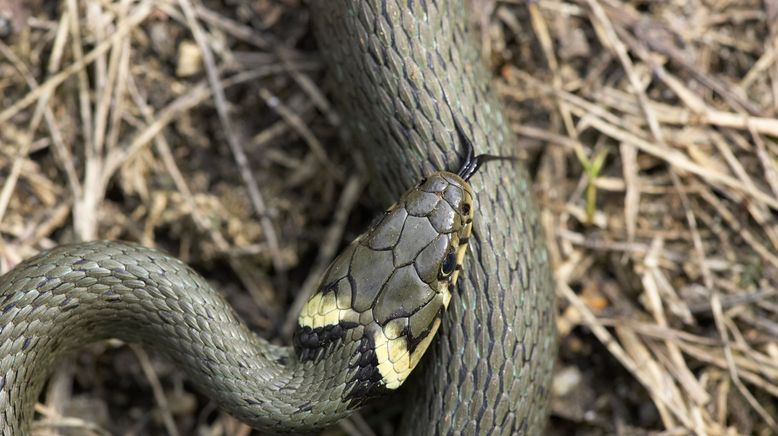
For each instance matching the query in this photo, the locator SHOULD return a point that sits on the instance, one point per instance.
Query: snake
(461, 253)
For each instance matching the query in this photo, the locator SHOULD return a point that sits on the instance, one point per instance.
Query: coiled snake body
(405, 70)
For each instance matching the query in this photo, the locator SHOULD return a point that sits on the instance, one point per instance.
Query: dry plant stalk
(672, 264)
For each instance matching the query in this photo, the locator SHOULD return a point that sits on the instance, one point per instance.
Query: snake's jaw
(390, 287)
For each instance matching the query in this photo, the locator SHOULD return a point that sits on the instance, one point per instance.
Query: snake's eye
(449, 264)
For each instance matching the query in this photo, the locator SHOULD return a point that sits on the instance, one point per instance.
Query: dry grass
(201, 128)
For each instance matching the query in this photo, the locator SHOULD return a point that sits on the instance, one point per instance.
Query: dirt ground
(205, 128)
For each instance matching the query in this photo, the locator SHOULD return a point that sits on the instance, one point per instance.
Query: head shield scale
(390, 287)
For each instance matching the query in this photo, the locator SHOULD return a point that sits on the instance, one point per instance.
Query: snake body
(405, 69)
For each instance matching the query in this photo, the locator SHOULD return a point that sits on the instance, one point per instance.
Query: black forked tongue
(472, 162)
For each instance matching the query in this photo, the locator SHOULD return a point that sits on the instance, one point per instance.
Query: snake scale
(404, 71)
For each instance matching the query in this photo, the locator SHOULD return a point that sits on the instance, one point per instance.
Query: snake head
(388, 289)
